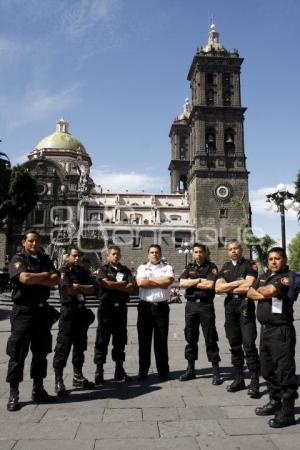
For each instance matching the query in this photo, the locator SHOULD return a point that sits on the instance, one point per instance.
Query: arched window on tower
(182, 149)
(210, 97)
(209, 88)
(182, 187)
(226, 89)
(210, 141)
(229, 143)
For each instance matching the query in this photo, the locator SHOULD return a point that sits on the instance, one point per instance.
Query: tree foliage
(261, 246)
(18, 194)
(294, 253)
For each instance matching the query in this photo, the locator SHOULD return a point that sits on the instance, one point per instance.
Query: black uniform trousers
(30, 327)
(112, 321)
(153, 318)
(277, 358)
(241, 333)
(72, 330)
(196, 314)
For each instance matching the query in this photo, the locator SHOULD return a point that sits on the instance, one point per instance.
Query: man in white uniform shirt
(154, 280)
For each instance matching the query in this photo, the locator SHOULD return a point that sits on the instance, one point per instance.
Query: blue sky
(116, 69)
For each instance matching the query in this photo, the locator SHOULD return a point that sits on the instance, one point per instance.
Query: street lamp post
(185, 249)
(280, 201)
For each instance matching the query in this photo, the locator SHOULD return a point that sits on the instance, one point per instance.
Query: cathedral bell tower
(179, 165)
(217, 178)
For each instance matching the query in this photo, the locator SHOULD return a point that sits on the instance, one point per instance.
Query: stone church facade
(208, 201)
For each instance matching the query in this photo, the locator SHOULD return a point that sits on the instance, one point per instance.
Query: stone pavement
(147, 415)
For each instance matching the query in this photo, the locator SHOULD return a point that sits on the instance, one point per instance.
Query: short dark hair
(233, 241)
(114, 247)
(31, 231)
(278, 250)
(157, 246)
(202, 246)
(73, 247)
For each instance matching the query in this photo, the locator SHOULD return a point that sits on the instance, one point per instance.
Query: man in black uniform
(234, 279)
(199, 279)
(75, 319)
(275, 292)
(32, 274)
(117, 283)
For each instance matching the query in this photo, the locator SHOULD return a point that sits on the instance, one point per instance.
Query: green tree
(261, 246)
(294, 253)
(18, 194)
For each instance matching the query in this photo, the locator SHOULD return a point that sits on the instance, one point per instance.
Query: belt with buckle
(162, 302)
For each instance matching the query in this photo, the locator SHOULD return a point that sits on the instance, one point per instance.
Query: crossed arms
(262, 293)
(234, 287)
(42, 279)
(199, 283)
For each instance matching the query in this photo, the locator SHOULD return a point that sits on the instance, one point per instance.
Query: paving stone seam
(76, 432)
(269, 439)
(43, 415)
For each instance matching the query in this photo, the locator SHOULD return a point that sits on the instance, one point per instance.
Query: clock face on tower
(223, 192)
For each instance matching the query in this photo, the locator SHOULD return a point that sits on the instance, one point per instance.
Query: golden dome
(61, 139)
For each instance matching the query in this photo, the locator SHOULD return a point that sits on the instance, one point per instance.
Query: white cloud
(36, 105)
(11, 49)
(258, 198)
(131, 181)
(87, 14)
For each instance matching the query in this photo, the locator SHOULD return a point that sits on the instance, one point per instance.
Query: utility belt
(149, 303)
(31, 305)
(200, 300)
(235, 296)
(73, 305)
(114, 303)
(266, 326)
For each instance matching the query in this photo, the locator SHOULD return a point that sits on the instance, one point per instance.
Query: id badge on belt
(276, 306)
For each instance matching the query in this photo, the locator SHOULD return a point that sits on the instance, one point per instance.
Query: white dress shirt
(152, 271)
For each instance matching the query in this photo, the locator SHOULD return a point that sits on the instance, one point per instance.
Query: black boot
(60, 387)
(99, 375)
(238, 383)
(39, 394)
(79, 381)
(270, 408)
(189, 373)
(120, 373)
(13, 401)
(285, 416)
(216, 378)
(253, 390)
